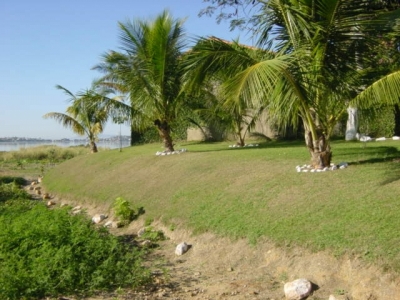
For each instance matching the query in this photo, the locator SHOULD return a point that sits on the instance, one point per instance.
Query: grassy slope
(254, 193)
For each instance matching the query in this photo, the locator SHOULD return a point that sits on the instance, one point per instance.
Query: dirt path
(218, 268)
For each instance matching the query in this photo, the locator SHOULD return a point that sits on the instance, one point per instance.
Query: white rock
(181, 249)
(365, 138)
(112, 224)
(297, 289)
(108, 223)
(141, 231)
(380, 139)
(396, 138)
(98, 218)
(331, 297)
(343, 164)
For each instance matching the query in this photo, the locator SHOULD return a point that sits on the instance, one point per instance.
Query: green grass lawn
(254, 193)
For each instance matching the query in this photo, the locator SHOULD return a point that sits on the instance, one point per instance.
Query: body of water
(15, 146)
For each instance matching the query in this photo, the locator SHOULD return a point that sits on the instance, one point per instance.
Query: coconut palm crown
(148, 69)
(87, 114)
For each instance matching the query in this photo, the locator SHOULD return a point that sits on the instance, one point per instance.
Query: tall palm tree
(314, 73)
(87, 114)
(149, 69)
(119, 74)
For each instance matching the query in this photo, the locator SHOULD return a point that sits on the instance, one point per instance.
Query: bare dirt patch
(218, 268)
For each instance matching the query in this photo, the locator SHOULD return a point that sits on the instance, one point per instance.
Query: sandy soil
(218, 268)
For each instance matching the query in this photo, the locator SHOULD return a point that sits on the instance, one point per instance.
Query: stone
(365, 138)
(46, 196)
(380, 139)
(112, 224)
(297, 289)
(395, 138)
(50, 203)
(146, 243)
(141, 231)
(98, 218)
(181, 249)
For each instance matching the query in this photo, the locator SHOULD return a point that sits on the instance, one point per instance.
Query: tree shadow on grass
(373, 155)
(260, 145)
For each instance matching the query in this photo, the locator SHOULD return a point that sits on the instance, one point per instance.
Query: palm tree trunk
(165, 133)
(93, 147)
(319, 149)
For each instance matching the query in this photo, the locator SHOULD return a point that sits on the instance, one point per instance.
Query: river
(17, 145)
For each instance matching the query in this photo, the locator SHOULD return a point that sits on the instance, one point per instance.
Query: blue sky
(47, 42)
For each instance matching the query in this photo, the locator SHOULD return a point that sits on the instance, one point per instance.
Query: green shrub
(153, 235)
(377, 123)
(123, 210)
(48, 153)
(46, 253)
(9, 179)
(12, 190)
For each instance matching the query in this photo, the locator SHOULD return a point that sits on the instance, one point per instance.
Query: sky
(45, 43)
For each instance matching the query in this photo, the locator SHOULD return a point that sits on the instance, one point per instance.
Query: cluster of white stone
(246, 145)
(309, 168)
(365, 138)
(162, 153)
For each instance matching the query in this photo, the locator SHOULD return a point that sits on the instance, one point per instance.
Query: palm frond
(384, 91)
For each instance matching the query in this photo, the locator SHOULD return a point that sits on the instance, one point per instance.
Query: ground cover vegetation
(254, 193)
(47, 253)
(35, 161)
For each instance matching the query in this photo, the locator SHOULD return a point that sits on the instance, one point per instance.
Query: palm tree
(207, 64)
(314, 74)
(87, 114)
(149, 70)
(119, 74)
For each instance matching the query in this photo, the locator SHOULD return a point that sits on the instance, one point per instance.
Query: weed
(148, 221)
(153, 235)
(123, 211)
(50, 252)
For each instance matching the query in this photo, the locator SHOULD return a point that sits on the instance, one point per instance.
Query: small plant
(340, 292)
(148, 221)
(172, 227)
(153, 235)
(123, 211)
(20, 164)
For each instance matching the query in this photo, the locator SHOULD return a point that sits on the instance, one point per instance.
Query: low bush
(124, 212)
(12, 190)
(46, 253)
